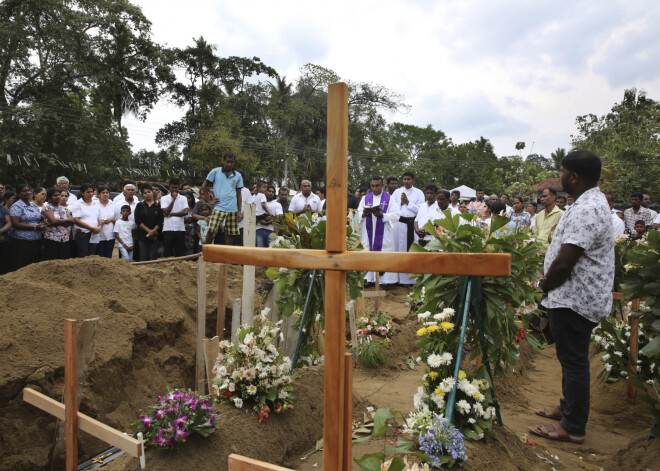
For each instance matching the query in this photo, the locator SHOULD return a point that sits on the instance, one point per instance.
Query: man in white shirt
(409, 199)
(646, 202)
(62, 183)
(175, 207)
(246, 198)
(126, 195)
(429, 211)
(378, 215)
(617, 223)
(265, 226)
(506, 199)
(305, 200)
(455, 202)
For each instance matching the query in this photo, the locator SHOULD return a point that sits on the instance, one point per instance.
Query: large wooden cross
(336, 261)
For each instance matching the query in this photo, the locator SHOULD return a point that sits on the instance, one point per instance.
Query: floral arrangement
(374, 324)
(499, 295)
(175, 417)
(293, 284)
(613, 337)
(441, 442)
(252, 370)
(438, 343)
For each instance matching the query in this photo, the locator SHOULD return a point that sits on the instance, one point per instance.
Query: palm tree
(557, 156)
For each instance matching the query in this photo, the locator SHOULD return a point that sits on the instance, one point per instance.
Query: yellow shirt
(546, 224)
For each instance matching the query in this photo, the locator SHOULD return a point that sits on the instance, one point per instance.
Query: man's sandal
(553, 414)
(555, 432)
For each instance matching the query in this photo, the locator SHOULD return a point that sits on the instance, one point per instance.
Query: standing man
(617, 223)
(62, 183)
(506, 199)
(455, 202)
(409, 199)
(646, 202)
(283, 199)
(577, 287)
(392, 185)
(225, 197)
(378, 215)
(546, 221)
(127, 196)
(305, 200)
(560, 201)
(265, 226)
(637, 212)
(246, 197)
(427, 212)
(175, 208)
(569, 201)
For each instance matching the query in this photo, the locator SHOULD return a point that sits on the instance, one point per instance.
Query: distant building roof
(549, 183)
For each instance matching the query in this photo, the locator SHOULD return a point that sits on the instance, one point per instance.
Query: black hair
(185, 184)
(284, 188)
(206, 205)
(373, 179)
(8, 194)
(408, 173)
(551, 190)
(50, 192)
(497, 206)
(174, 181)
(518, 198)
(38, 189)
(505, 194)
(585, 163)
(636, 194)
(431, 186)
(444, 192)
(102, 188)
(84, 187)
(271, 186)
(260, 183)
(480, 189)
(229, 155)
(125, 206)
(561, 196)
(322, 190)
(456, 192)
(640, 221)
(146, 186)
(533, 203)
(392, 179)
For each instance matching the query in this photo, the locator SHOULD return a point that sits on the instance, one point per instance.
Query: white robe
(428, 213)
(390, 220)
(416, 199)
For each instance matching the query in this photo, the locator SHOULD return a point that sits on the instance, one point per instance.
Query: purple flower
(160, 413)
(180, 420)
(146, 421)
(181, 434)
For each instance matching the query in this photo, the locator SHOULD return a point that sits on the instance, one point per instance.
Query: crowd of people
(46, 224)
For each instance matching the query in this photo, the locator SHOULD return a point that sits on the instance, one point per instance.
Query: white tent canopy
(466, 192)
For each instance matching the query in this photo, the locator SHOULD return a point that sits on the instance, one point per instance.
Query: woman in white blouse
(107, 221)
(86, 214)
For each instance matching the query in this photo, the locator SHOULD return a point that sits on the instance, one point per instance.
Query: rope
(484, 350)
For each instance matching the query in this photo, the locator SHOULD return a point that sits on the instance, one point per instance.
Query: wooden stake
(352, 325)
(71, 393)
(347, 452)
(168, 259)
(222, 286)
(376, 301)
(249, 240)
(85, 348)
(211, 350)
(242, 463)
(235, 318)
(201, 326)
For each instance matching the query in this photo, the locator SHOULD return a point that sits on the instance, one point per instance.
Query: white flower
(608, 367)
(249, 338)
(232, 387)
(605, 357)
(282, 269)
(418, 359)
(283, 394)
(423, 315)
(472, 421)
(619, 354)
(252, 390)
(434, 360)
(463, 406)
(438, 400)
(597, 338)
(238, 402)
(448, 313)
(447, 384)
(447, 358)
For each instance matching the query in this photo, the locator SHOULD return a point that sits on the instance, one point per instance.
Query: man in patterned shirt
(577, 289)
(636, 212)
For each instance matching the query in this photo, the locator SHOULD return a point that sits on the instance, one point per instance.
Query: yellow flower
(422, 331)
(447, 326)
(432, 328)
(477, 396)
(439, 391)
(461, 375)
(426, 383)
(433, 374)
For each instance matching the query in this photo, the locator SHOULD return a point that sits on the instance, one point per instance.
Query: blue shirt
(225, 188)
(29, 214)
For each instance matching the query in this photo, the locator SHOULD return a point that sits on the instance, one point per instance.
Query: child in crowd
(640, 230)
(203, 224)
(125, 232)
(260, 201)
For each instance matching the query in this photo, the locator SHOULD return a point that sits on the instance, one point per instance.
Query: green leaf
(370, 462)
(652, 349)
(498, 222)
(397, 464)
(380, 421)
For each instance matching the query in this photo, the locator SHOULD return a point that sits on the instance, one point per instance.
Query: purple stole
(380, 225)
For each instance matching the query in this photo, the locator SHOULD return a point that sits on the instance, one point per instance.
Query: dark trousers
(572, 333)
(175, 243)
(148, 249)
(23, 252)
(83, 247)
(105, 247)
(57, 250)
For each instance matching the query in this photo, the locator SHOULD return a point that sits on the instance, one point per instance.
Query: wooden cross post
(336, 261)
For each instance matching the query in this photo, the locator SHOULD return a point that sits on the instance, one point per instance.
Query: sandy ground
(146, 342)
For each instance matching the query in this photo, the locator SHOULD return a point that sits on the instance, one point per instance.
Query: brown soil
(146, 342)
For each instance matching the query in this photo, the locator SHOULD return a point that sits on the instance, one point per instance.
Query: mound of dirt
(145, 342)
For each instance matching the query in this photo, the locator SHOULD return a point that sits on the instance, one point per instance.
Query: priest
(378, 214)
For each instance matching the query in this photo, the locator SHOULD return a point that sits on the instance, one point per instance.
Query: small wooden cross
(336, 261)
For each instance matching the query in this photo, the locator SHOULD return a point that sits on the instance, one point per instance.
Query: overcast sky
(509, 71)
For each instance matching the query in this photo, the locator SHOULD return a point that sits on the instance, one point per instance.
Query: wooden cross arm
(242, 463)
(402, 262)
(101, 431)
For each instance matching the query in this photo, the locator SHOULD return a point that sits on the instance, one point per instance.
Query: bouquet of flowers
(374, 324)
(175, 417)
(442, 443)
(253, 371)
(472, 415)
